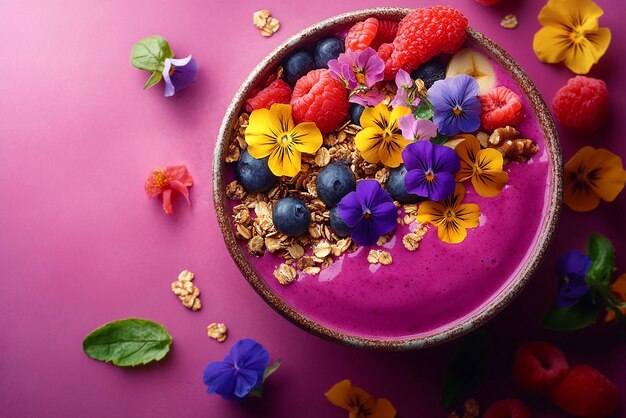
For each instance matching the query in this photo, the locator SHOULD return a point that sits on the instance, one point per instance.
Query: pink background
(80, 244)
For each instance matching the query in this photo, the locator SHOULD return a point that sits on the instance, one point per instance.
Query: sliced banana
(473, 63)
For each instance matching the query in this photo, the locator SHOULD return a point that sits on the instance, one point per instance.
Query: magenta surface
(80, 244)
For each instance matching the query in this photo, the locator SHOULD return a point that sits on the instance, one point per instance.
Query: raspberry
(582, 104)
(387, 30)
(424, 33)
(488, 2)
(361, 35)
(277, 92)
(500, 107)
(320, 98)
(385, 51)
(586, 393)
(507, 408)
(538, 366)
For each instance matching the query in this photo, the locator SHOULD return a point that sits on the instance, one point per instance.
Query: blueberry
(396, 188)
(254, 175)
(356, 110)
(328, 49)
(297, 65)
(430, 72)
(337, 224)
(291, 216)
(334, 182)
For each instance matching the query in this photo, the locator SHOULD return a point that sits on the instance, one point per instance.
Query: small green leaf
(602, 255)
(440, 139)
(424, 110)
(150, 53)
(270, 369)
(128, 342)
(466, 368)
(574, 317)
(154, 78)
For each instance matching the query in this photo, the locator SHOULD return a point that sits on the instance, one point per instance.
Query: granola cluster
(187, 292)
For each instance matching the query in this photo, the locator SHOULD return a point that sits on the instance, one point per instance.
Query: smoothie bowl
(378, 196)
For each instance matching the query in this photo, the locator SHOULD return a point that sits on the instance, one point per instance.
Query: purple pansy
(369, 211)
(572, 269)
(356, 69)
(366, 97)
(240, 372)
(457, 108)
(430, 169)
(416, 129)
(404, 83)
(179, 74)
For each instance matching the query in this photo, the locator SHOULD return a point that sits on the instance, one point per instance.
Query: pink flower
(366, 97)
(356, 69)
(164, 180)
(416, 129)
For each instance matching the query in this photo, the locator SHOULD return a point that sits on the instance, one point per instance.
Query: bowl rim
(439, 335)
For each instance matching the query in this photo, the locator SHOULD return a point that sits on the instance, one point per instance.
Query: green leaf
(440, 139)
(602, 255)
(128, 342)
(150, 53)
(466, 368)
(257, 391)
(154, 78)
(424, 110)
(574, 317)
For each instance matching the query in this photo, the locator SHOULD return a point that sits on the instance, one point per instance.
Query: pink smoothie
(439, 284)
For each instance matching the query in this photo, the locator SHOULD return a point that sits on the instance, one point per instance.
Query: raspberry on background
(538, 366)
(582, 105)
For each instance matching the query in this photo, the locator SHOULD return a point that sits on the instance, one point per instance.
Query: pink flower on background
(164, 180)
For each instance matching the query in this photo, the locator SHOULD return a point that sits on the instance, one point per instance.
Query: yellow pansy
(451, 217)
(482, 166)
(571, 35)
(358, 402)
(381, 139)
(272, 133)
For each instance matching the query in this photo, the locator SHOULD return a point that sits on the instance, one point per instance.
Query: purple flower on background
(356, 69)
(416, 129)
(240, 372)
(430, 169)
(179, 74)
(366, 97)
(457, 109)
(404, 82)
(369, 211)
(572, 269)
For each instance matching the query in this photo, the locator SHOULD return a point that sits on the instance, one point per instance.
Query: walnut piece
(267, 24)
(509, 22)
(379, 257)
(187, 292)
(506, 141)
(285, 274)
(217, 331)
(411, 241)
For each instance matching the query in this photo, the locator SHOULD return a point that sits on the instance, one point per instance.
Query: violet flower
(457, 109)
(179, 74)
(572, 269)
(430, 169)
(405, 92)
(416, 129)
(366, 98)
(369, 211)
(356, 69)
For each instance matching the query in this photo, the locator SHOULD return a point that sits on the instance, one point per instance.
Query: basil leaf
(154, 78)
(150, 53)
(424, 110)
(466, 369)
(580, 315)
(257, 391)
(128, 342)
(602, 255)
(440, 139)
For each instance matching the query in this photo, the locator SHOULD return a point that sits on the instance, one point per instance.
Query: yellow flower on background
(451, 217)
(483, 166)
(381, 139)
(590, 175)
(618, 288)
(358, 402)
(570, 34)
(272, 132)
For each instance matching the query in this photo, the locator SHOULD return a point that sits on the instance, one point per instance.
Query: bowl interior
(500, 294)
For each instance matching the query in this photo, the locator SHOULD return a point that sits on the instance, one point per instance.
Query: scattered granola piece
(322, 249)
(256, 245)
(267, 24)
(379, 257)
(285, 274)
(509, 22)
(322, 157)
(235, 191)
(187, 292)
(312, 270)
(411, 241)
(217, 331)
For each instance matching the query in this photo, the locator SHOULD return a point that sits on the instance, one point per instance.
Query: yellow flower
(570, 33)
(272, 132)
(590, 175)
(618, 288)
(483, 166)
(451, 217)
(358, 402)
(381, 139)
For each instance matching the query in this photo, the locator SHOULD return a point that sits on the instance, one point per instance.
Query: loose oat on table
(187, 292)
(509, 21)
(379, 257)
(285, 274)
(267, 24)
(217, 331)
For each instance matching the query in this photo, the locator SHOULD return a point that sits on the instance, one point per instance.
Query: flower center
(477, 169)
(171, 71)
(360, 77)
(457, 110)
(449, 214)
(577, 35)
(367, 214)
(160, 180)
(430, 176)
(284, 140)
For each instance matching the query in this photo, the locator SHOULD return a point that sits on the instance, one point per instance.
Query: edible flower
(416, 129)
(482, 166)
(406, 93)
(242, 372)
(179, 74)
(590, 175)
(272, 132)
(451, 217)
(570, 34)
(358, 402)
(572, 269)
(165, 180)
(457, 109)
(359, 71)
(430, 169)
(381, 139)
(618, 289)
(369, 211)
